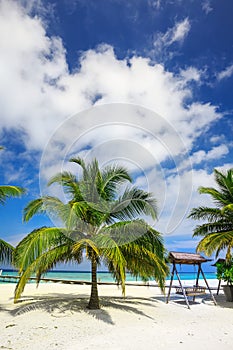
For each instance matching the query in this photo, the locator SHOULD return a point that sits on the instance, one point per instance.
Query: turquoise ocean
(102, 276)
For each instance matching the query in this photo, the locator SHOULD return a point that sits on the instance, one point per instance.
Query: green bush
(225, 271)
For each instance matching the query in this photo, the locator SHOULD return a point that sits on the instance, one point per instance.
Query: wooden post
(183, 291)
(170, 286)
(215, 303)
(197, 279)
(219, 285)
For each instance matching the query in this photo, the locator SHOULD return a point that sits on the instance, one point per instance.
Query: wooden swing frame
(215, 264)
(186, 291)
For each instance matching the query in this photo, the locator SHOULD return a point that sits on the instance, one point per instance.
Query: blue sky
(171, 61)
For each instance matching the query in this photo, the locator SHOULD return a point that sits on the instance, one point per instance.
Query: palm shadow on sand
(179, 300)
(62, 305)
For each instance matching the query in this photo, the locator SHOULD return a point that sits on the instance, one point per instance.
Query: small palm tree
(96, 221)
(218, 231)
(7, 192)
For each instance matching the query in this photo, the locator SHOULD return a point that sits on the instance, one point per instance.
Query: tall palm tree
(217, 232)
(7, 192)
(98, 221)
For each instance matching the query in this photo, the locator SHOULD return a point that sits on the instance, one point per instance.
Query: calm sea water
(102, 276)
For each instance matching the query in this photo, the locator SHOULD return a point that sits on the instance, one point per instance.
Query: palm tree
(96, 221)
(7, 192)
(217, 232)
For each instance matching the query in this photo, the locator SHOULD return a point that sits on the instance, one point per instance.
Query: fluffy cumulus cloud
(154, 119)
(38, 92)
(202, 156)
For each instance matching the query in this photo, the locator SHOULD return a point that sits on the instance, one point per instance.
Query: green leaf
(10, 191)
(6, 251)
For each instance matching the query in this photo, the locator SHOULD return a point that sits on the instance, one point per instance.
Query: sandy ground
(54, 316)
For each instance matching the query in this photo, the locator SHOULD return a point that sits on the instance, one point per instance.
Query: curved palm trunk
(94, 298)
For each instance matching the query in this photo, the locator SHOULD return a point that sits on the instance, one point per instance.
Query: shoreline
(213, 282)
(55, 316)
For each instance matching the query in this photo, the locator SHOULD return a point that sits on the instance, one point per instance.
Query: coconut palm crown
(97, 221)
(217, 232)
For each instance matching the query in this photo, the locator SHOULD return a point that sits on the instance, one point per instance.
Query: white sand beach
(54, 316)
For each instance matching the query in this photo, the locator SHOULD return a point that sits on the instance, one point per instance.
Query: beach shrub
(225, 271)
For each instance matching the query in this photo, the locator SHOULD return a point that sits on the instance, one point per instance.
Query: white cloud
(172, 35)
(38, 7)
(180, 197)
(35, 77)
(225, 167)
(38, 93)
(217, 138)
(226, 73)
(206, 6)
(191, 73)
(215, 153)
(180, 31)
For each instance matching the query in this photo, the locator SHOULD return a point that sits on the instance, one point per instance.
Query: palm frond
(224, 195)
(42, 264)
(6, 251)
(228, 207)
(143, 263)
(36, 243)
(43, 205)
(215, 241)
(111, 178)
(216, 195)
(80, 162)
(141, 246)
(133, 203)
(10, 191)
(112, 255)
(69, 182)
(218, 226)
(85, 243)
(125, 231)
(205, 213)
(225, 183)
